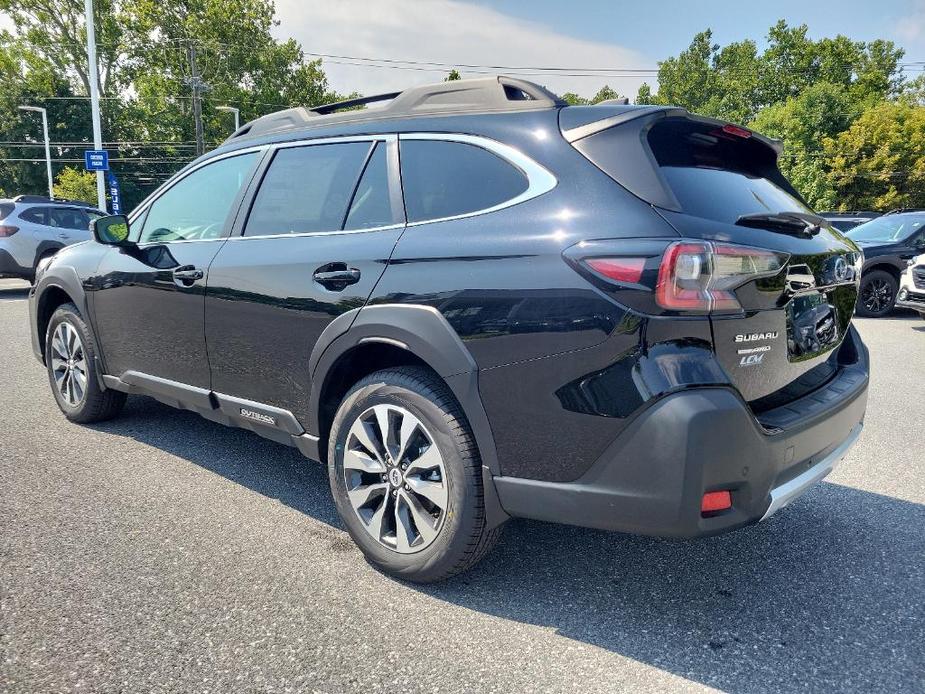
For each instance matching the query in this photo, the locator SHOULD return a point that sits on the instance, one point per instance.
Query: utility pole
(39, 109)
(198, 87)
(94, 98)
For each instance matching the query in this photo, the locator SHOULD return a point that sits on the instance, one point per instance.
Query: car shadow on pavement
(827, 595)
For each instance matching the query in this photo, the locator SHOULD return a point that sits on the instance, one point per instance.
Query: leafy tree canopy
(75, 184)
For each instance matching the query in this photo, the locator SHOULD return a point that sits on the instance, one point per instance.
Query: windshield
(888, 229)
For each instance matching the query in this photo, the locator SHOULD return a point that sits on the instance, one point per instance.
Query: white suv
(33, 228)
(912, 286)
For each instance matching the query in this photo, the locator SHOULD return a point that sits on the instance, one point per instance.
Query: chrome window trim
(539, 179)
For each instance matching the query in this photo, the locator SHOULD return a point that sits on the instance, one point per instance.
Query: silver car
(33, 228)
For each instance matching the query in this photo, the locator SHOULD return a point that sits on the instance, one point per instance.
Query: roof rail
(487, 94)
(900, 210)
(48, 200)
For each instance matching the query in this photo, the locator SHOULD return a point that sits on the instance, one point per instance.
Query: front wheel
(69, 358)
(877, 295)
(406, 476)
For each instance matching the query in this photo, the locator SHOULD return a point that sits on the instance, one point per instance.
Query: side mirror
(112, 230)
(919, 243)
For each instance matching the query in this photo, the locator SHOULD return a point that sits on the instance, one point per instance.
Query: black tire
(463, 538)
(877, 295)
(94, 403)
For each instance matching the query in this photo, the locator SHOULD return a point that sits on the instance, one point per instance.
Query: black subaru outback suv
(477, 302)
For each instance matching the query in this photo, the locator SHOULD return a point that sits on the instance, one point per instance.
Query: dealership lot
(163, 552)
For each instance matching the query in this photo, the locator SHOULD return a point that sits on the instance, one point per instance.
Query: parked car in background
(34, 228)
(843, 221)
(912, 286)
(479, 302)
(889, 243)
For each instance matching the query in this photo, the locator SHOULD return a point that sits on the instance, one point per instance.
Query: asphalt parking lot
(162, 552)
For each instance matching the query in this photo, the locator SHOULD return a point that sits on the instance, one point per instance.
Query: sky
(579, 36)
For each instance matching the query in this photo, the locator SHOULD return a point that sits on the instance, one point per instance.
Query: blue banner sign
(115, 195)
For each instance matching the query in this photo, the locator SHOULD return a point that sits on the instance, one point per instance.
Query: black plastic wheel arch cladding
(424, 333)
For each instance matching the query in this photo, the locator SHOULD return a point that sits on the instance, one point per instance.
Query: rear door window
(307, 189)
(445, 179)
(69, 218)
(372, 206)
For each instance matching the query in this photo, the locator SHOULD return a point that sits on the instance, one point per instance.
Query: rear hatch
(789, 279)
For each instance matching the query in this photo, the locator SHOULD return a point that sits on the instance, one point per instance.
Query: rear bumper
(651, 480)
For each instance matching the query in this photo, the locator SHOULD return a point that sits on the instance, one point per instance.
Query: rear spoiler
(653, 113)
(628, 160)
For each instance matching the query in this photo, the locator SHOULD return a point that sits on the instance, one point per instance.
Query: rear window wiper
(799, 223)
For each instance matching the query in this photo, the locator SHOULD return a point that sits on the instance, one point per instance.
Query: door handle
(336, 279)
(186, 275)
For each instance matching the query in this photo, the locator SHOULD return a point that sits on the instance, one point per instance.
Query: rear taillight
(700, 276)
(618, 269)
(6, 230)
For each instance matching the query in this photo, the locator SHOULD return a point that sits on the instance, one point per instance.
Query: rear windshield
(888, 228)
(718, 175)
(5, 209)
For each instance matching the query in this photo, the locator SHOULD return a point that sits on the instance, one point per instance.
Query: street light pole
(39, 109)
(94, 98)
(235, 111)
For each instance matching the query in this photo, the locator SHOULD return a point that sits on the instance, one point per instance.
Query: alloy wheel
(395, 478)
(69, 364)
(877, 295)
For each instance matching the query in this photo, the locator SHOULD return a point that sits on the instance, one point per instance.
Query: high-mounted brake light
(701, 276)
(6, 230)
(735, 130)
(618, 269)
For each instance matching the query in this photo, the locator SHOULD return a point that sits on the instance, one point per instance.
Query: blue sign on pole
(115, 195)
(96, 160)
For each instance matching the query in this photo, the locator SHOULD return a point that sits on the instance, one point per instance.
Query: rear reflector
(618, 269)
(6, 230)
(716, 501)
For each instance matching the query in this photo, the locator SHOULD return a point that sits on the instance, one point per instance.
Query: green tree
(820, 111)
(144, 70)
(30, 80)
(734, 82)
(644, 95)
(879, 161)
(605, 93)
(453, 76)
(573, 99)
(73, 184)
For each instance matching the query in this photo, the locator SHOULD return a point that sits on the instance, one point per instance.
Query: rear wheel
(877, 295)
(406, 476)
(69, 358)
